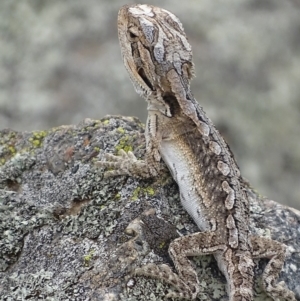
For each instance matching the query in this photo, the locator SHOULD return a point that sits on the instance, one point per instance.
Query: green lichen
(124, 145)
(12, 150)
(135, 194)
(120, 130)
(37, 138)
(7, 152)
(87, 258)
(162, 245)
(7, 146)
(5, 138)
(142, 191)
(149, 191)
(106, 122)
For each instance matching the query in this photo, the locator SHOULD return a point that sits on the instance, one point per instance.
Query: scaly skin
(158, 58)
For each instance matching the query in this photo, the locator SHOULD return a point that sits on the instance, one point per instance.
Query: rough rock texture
(62, 226)
(60, 62)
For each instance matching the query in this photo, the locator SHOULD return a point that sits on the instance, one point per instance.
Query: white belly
(178, 164)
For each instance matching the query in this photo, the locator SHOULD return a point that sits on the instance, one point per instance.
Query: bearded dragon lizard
(158, 58)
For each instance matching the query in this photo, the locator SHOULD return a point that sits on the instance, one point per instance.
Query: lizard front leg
(124, 164)
(275, 251)
(128, 164)
(153, 140)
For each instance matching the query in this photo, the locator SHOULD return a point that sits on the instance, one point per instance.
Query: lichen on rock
(64, 228)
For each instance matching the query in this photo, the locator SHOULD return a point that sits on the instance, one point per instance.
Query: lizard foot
(164, 272)
(124, 164)
(128, 164)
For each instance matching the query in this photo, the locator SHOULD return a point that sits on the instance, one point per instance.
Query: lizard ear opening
(142, 74)
(172, 104)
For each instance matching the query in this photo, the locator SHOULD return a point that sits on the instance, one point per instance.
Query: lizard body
(158, 57)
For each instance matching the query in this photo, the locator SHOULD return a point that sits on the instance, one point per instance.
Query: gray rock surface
(63, 227)
(60, 63)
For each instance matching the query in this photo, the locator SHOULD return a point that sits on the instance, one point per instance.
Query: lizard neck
(202, 164)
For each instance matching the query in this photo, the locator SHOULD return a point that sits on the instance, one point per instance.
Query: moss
(124, 145)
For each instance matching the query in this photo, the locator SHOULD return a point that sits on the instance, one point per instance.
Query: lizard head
(153, 43)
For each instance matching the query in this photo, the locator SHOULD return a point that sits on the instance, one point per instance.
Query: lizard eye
(133, 34)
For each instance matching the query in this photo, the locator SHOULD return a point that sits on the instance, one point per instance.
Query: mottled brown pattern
(158, 57)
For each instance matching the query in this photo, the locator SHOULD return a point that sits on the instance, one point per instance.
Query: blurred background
(60, 62)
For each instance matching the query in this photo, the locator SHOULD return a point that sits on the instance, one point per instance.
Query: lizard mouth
(142, 74)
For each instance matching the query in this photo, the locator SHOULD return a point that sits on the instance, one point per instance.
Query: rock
(68, 234)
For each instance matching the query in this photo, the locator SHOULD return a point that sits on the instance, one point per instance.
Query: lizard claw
(122, 156)
(124, 164)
